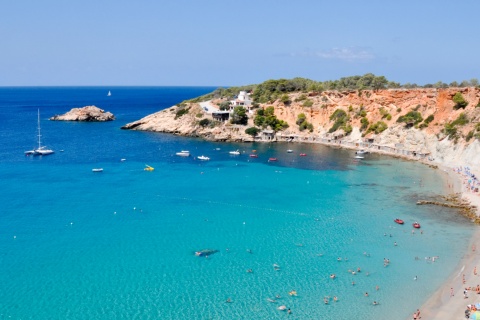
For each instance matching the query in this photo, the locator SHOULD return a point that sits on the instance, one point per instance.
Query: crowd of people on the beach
(470, 180)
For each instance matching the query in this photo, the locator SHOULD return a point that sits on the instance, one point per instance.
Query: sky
(233, 43)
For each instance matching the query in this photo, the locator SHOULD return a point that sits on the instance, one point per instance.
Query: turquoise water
(120, 244)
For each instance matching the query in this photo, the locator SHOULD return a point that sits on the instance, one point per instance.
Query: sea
(121, 244)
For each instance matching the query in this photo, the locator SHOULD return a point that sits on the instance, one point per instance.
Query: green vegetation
(180, 112)
(426, 122)
(377, 127)
(253, 131)
(340, 119)
(460, 102)
(412, 118)
(206, 122)
(199, 115)
(385, 114)
(301, 97)
(308, 103)
(239, 116)
(266, 118)
(285, 99)
(364, 121)
(303, 123)
(450, 128)
(225, 105)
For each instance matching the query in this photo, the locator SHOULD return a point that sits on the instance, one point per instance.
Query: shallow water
(120, 244)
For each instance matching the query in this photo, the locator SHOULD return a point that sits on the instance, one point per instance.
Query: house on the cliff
(242, 100)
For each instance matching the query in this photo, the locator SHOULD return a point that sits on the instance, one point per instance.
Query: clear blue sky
(226, 42)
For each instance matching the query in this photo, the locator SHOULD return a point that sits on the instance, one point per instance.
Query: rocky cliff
(88, 113)
(449, 134)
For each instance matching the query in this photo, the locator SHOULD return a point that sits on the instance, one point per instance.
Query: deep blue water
(119, 244)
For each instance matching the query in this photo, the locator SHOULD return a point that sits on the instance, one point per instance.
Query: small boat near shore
(416, 225)
(253, 155)
(235, 153)
(289, 151)
(399, 221)
(97, 170)
(148, 168)
(303, 154)
(183, 153)
(361, 152)
(272, 159)
(359, 157)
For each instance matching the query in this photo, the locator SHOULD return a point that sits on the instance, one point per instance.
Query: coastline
(442, 305)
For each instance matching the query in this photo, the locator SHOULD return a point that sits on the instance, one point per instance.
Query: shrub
(285, 99)
(180, 112)
(199, 115)
(469, 136)
(308, 103)
(461, 120)
(253, 131)
(341, 118)
(205, 122)
(364, 121)
(301, 97)
(460, 102)
(412, 118)
(377, 127)
(239, 116)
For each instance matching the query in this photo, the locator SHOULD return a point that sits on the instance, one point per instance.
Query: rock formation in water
(88, 114)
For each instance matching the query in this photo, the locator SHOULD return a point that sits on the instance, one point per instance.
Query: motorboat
(203, 158)
(183, 153)
(361, 152)
(97, 170)
(359, 157)
(289, 151)
(303, 154)
(272, 159)
(235, 153)
(148, 168)
(253, 155)
(41, 150)
(399, 221)
(416, 225)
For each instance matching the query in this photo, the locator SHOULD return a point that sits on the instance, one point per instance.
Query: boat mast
(39, 135)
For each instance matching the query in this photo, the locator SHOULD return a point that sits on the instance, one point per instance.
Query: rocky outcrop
(88, 114)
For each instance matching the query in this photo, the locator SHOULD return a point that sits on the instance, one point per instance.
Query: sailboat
(109, 93)
(41, 150)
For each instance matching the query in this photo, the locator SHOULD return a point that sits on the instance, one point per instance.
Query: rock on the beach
(88, 113)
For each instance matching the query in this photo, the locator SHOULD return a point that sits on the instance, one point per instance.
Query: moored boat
(253, 155)
(183, 153)
(399, 221)
(148, 168)
(235, 153)
(272, 159)
(203, 158)
(303, 154)
(97, 169)
(416, 225)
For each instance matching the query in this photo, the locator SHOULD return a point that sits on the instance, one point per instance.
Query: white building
(243, 99)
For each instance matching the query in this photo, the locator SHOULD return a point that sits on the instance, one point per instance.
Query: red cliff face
(379, 104)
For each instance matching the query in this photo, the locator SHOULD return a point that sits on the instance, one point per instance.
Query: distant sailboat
(41, 150)
(109, 93)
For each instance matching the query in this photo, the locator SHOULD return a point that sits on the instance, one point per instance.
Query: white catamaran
(41, 150)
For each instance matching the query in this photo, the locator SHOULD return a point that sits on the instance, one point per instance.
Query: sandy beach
(449, 302)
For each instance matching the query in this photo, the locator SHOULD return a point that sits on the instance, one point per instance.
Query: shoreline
(441, 304)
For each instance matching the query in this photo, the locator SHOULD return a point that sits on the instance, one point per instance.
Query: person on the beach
(451, 292)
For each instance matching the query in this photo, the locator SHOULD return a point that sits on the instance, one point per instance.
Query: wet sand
(448, 302)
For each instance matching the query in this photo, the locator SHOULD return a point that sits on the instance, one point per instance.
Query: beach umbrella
(475, 315)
